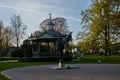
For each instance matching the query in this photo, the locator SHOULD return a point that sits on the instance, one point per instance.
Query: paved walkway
(84, 72)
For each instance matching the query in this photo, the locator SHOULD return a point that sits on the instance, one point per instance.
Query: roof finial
(50, 15)
(50, 23)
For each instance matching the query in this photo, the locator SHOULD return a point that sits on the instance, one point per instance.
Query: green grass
(87, 59)
(112, 60)
(94, 59)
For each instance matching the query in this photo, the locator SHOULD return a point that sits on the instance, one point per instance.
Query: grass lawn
(98, 59)
(87, 59)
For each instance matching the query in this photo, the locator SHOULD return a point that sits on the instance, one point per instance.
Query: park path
(83, 72)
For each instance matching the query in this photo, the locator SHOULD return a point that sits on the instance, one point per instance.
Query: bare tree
(1, 27)
(60, 25)
(18, 29)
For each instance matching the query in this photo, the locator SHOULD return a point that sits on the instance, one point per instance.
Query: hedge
(45, 59)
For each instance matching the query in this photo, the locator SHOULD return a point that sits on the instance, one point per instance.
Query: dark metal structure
(60, 45)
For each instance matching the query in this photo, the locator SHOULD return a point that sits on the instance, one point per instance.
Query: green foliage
(17, 53)
(8, 58)
(114, 48)
(102, 23)
(25, 50)
(45, 59)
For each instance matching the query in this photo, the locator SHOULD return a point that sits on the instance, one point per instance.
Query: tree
(60, 25)
(18, 29)
(103, 20)
(1, 27)
(7, 37)
(26, 48)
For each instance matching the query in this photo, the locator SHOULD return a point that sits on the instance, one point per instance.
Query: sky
(33, 12)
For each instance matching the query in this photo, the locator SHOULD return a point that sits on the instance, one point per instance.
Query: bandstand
(44, 44)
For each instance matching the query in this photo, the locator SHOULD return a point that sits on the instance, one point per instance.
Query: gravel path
(83, 72)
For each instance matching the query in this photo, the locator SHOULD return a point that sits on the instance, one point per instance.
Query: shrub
(17, 53)
(7, 58)
(45, 59)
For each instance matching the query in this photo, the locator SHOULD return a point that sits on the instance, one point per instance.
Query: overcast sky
(33, 12)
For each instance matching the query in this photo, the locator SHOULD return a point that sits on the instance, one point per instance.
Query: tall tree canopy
(102, 20)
